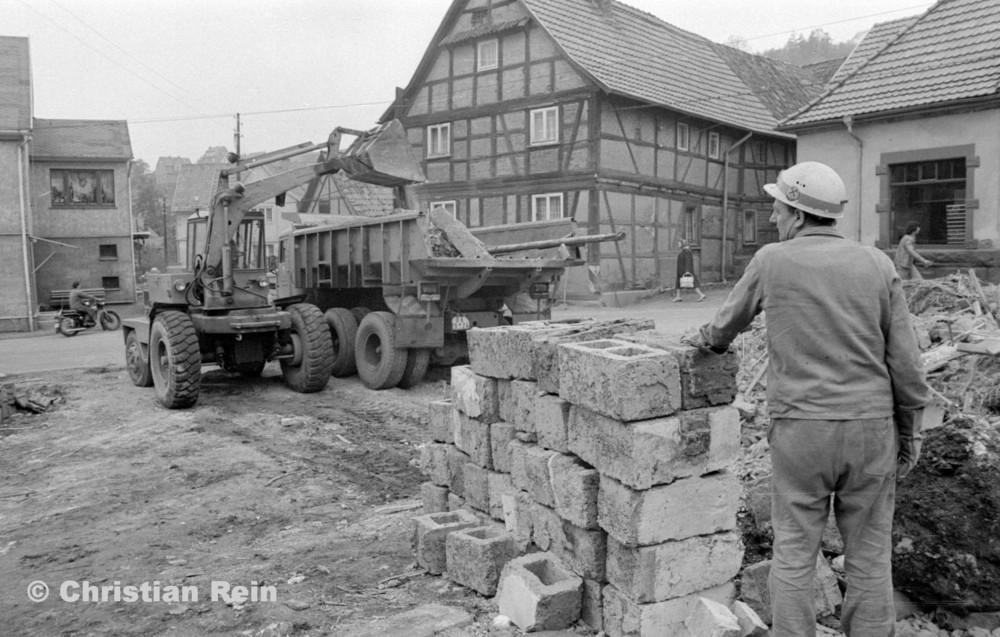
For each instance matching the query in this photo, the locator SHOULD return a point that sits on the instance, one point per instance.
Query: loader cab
(248, 246)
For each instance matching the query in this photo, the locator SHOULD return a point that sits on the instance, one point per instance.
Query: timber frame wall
(616, 161)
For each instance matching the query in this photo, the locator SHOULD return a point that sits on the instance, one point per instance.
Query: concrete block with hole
(592, 604)
(434, 462)
(517, 509)
(679, 510)
(529, 468)
(621, 380)
(457, 459)
(502, 352)
(674, 569)
(455, 502)
(712, 619)
(473, 438)
(624, 617)
(656, 451)
(536, 593)
(575, 487)
(430, 533)
(499, 485)
(476, 557)
(501, 433)
(477, 487)
(546, 351)
(474, 395)
(582, 551)
(706, 378)
(551, 417)
(523, 396)
(434, 497)
(440, 421)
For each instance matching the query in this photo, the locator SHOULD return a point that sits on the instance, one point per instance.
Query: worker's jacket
(77, 298)
(839, 340)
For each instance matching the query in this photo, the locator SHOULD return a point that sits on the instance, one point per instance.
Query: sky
(179, 71)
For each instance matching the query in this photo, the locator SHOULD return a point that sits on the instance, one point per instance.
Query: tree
(737, 41)
(818, 47)
(147, 207)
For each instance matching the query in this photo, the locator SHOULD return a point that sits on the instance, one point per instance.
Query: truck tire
(175, 360)
(343, 331)
(312, 371)
(380, 362)
(416, 366)
(138, 368)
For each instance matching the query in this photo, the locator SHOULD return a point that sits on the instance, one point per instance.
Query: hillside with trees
(818, 46)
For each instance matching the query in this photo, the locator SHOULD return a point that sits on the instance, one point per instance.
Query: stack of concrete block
(604, 445)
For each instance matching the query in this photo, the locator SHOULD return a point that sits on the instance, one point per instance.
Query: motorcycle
(70, 322)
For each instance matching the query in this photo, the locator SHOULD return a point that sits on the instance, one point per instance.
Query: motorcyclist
(78, 300)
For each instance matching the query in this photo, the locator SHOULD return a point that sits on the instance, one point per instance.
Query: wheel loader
(218, 310)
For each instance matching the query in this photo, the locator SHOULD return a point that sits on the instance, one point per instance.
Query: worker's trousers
(855, 460)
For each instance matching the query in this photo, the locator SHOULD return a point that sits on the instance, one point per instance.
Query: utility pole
(166, 254)
(236, 142)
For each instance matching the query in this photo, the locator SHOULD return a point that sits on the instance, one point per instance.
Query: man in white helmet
(844, 378)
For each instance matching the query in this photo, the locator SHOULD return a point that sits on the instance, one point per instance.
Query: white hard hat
(811, 186)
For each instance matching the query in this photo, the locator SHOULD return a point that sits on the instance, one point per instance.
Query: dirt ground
(255, 486)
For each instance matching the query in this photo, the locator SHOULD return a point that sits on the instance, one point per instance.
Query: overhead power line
(827, 24)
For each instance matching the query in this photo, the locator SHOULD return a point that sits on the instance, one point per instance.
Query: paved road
(28, 354)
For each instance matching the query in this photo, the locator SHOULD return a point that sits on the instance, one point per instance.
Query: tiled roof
(483, 30)
(635, 54)
(826, 70)
(196, 185)
(15, 84)
(948, 54)
(81, 139)
(874, 41)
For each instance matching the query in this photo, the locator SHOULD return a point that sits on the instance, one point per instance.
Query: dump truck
(400, 291)
(219, 309)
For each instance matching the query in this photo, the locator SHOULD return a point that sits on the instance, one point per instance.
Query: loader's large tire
(416, 367)
(175, 360)
(138, 367)
(380, 362)
(310, 370)
(343, 331)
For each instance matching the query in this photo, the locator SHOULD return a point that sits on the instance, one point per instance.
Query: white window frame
(485, 62)
(714, 145)
(544, 125)
(542, 205)
(439, 140)
(683, 136)
(450, 205)
(749, 227)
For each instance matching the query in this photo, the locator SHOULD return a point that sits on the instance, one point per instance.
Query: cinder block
(455, 502)
(592, 611)
(754, 589)
(499, 485)
(477, 487)
(529, 468)
(501, 433)
(505, 399)
(504, 351)
(457, 460)
(575, 487)
(440, 421)
(674, 569)
(523, 396)
(582, 551)
(476, 557)
(750, 623)
(435, 498)
(546, 350)
(682, 509)
(430, 533)
(624, 617)
(657, 451)
(474, 395)
(706, 378)
(552, 422)
(621, 380)
(538, 594)
(473, 437)
(517, 515)
(710, 618)
(434, 462)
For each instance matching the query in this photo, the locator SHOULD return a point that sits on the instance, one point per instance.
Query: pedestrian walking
(906, 254)
(845, 392)
(686, 278)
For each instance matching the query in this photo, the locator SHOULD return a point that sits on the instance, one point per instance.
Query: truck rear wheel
(416, 367)
(138, 367)
(380, 362)
(175, 360)
(309, 371)
(343, 330)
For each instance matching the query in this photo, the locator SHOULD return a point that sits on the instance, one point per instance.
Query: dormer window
(487, 55)
(479, 17)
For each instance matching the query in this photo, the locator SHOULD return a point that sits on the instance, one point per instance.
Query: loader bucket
(383, 156)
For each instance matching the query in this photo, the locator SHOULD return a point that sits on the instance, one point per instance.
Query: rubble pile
(580, 473)
(34, 400)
